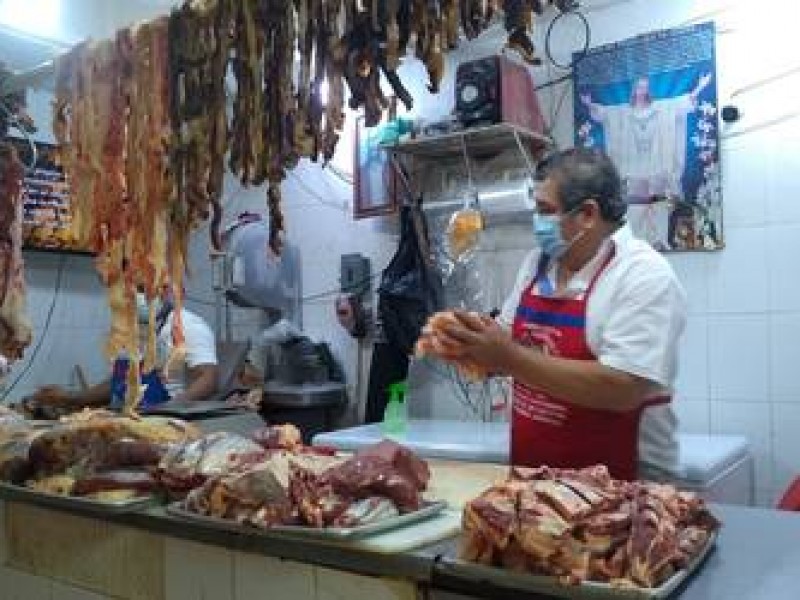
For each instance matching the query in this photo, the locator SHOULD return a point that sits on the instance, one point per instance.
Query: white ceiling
(23, 51)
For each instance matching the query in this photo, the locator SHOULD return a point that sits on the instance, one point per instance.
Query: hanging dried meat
(15, 329)
(112, 122)
(199, 47)
(144, 131)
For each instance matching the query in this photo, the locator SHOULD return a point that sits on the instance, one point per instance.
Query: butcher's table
(69, 554)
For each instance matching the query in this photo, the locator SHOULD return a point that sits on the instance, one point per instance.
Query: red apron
(549, 431)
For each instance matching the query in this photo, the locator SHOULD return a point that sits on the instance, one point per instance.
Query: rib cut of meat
(582, 525)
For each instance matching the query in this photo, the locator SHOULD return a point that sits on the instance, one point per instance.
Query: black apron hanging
(409, 292)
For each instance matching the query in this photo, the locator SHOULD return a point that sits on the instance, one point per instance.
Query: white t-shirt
(634, 319)
(201, 348)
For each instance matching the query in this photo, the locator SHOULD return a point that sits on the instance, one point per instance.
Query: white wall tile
(61, 591)
(340, 585)
(693, 415)
(194, 571)
(783, 185)
(786, 444)
(18, 585)
(737, 276)
(266, 578)
(692, 380)
(783, 247)
(692, 271)
(744, 187)
(766, 498)
(753, 420)
(784, 336)
(738, 367)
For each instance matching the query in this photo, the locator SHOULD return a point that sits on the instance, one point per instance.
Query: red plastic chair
(791, 497)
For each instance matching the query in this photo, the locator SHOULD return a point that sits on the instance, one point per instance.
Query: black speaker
(496, 89)
(478, 92)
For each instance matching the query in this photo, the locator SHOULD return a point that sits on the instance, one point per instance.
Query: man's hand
(52, 395)
(480, 340)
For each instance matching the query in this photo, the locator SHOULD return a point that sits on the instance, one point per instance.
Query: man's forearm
(202, 385)
(95, 395)
(583, 382)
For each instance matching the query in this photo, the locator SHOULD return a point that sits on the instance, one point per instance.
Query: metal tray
(428, 509)
(9, 491)
(192, 410)
(550, 586)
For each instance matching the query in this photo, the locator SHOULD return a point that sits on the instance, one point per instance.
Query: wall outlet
(355, 274)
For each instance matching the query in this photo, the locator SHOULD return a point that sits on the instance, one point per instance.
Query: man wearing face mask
(589, 334)
(195, 380)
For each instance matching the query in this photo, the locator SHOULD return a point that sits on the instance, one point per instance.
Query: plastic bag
(410, 289)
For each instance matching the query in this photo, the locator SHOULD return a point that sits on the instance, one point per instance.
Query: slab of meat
(278, 437)
(15, 328)
(581, 525)
(296, 487)
(189, 465)
(408, 464)
(140, 482)
(101, 442)
(276, 488)
(364, 476)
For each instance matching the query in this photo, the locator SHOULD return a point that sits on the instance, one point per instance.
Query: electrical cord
(345, 177)
(43, 335)
(548, 49)
(548, 36)
(314, 195)
(310, 298)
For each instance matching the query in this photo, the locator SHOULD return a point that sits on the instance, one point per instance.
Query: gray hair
(584, 174)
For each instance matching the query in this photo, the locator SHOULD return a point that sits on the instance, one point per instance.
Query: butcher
(195, 380)
(589, 334)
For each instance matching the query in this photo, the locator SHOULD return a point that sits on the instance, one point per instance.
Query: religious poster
(48, 222)
(651, 103)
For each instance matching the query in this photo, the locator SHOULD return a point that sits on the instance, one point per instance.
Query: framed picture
(375, 186)
(651, 103)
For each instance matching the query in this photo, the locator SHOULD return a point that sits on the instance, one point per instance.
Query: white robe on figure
(648, 144)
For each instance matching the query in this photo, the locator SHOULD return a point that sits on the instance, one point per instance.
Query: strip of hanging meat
(15, 328)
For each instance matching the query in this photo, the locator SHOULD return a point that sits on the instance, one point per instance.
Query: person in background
(195, 380)
(589, 334)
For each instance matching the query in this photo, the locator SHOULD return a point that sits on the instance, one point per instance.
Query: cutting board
(440, 527)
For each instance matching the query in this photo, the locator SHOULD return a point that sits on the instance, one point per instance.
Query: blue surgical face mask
(547, 231)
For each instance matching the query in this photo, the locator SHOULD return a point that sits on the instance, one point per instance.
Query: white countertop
(455, 440)
(701, 457)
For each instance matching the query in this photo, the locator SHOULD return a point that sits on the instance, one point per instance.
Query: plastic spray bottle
(395, 415)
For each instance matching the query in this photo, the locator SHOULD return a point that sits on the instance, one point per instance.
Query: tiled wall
(738, 361)
(739, 351)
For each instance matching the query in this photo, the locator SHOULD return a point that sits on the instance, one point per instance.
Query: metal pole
(528, 162)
